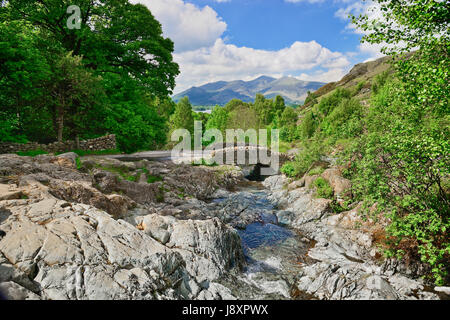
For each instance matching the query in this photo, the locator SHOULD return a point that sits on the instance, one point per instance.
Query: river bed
(274, 253)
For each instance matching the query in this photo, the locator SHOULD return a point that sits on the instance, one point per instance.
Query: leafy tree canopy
(115, 36)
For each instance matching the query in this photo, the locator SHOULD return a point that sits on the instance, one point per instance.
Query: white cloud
(372, 50)
(189, 26)
(373, 11)
(356, 7)
(369, 8)
(228, 62)
(334, 74)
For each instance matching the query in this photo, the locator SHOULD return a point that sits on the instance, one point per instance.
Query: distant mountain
(293, 91)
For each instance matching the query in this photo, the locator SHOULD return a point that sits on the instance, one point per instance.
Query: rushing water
(273, 252)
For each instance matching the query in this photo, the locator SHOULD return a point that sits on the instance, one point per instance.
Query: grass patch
(284, 146)
(152, 178)
(83, 153)
(31, 153)
(123, 173)
(78, 163)
(204, 162)
(316, 171)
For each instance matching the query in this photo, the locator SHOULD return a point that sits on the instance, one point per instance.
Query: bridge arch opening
(253, 173)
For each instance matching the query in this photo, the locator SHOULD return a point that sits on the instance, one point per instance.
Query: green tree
(308, 125)
(288, 122)
(233, 104)
(278, 105)
(421, 25)
(218, 119)
(72, 88)
(243, 118)
(288, 117)
(165, 107)
(23, 70)
(115, 36)
(131, 116)
(310, 98)
(111, 76)
(182, 117)
(264, 109)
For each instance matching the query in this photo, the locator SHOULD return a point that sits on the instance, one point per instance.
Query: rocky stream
(107, 229)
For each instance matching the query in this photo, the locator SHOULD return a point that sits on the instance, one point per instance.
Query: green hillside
(388, 132)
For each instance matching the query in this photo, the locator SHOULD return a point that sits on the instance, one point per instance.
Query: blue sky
(243, 39)
(275, 24)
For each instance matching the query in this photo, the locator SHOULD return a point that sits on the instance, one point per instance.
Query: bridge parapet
(251, 158)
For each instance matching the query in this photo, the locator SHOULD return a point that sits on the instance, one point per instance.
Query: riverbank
(347, 263)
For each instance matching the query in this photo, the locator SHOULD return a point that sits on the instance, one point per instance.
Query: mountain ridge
(293, 90)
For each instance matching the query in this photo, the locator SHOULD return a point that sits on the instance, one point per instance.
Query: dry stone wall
(103, 143)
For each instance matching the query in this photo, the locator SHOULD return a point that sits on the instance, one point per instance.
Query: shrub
(344, 120)
(310, 152)
(131, 116)
(379, 81)
(288, 133)
(307, 126)
(358, 88)
(136, 128)
(323, 188)
(289, 169)
(327, 104)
